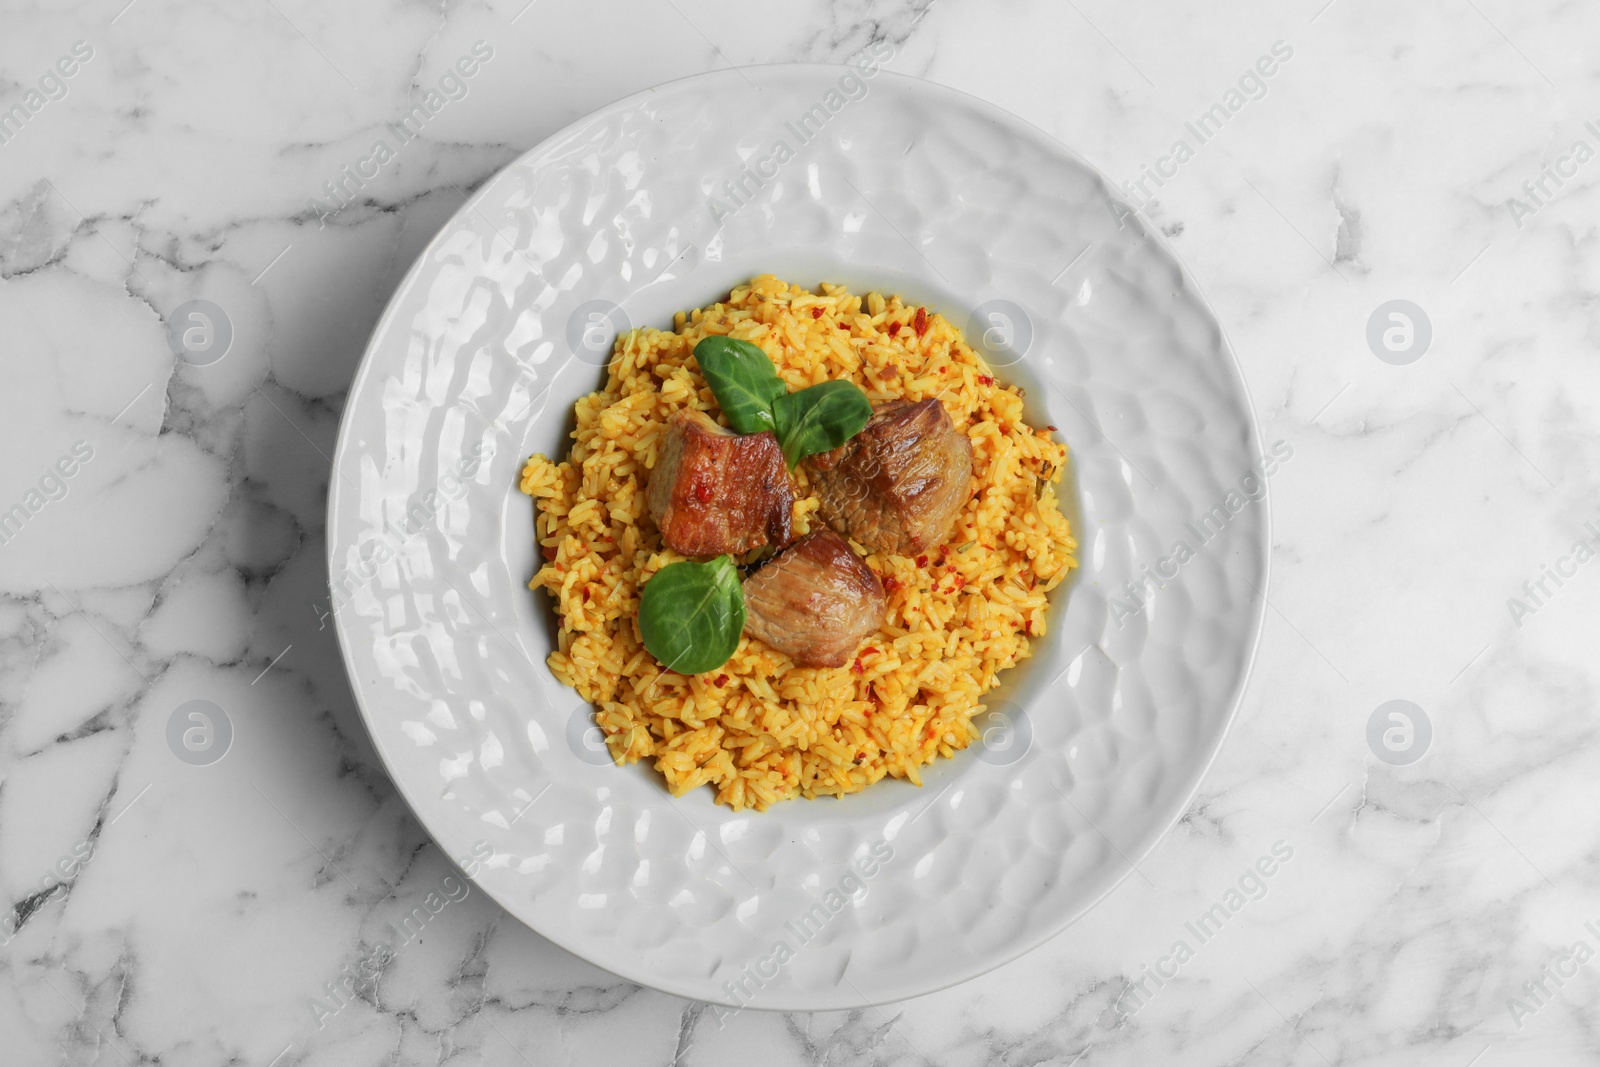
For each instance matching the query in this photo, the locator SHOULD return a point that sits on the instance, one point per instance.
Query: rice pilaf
(761, 729)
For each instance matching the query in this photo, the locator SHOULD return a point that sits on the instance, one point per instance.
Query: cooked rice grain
(760, 729)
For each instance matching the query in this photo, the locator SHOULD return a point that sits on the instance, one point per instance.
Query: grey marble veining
(263, 909)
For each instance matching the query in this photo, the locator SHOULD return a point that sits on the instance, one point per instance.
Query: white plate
(900, 186)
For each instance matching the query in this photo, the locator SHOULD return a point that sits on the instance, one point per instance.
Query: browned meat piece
(715, 491)
(898, 485)
(815, 602)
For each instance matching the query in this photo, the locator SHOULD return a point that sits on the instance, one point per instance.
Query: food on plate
(815, 602)
(762, 726)
(714, 491)
(899, 484)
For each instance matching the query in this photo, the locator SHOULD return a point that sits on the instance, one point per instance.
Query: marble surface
(1432, 532)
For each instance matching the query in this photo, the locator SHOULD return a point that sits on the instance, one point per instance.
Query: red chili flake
(1027, 628)
(1052, 429)
(720, 680)
(844, 326)
(702, 492)
(894, 328)
(960, 582)
(890, 584)
(869, 651)
(922, 561)
(984, 379)
(919, 322)
(857, 668)
(816, 312)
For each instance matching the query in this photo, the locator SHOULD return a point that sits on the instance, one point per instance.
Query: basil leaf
(819, 418)
(743, 380)
(754, 398)
(691, 615)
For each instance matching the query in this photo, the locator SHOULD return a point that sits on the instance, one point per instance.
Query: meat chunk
(899, 484)
(815, 601)
(715, 491)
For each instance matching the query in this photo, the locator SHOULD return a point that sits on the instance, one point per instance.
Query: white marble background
(187, 915)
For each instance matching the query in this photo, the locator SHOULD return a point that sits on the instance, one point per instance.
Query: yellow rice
(760, 729)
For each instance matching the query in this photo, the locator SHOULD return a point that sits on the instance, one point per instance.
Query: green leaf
(819, 418)
(743, 380)
(691, 615)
